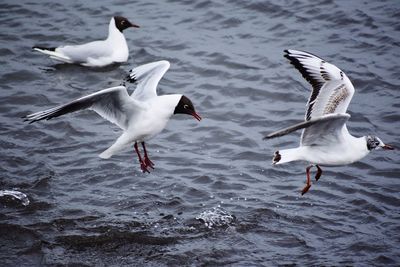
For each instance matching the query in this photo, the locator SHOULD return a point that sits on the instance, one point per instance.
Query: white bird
(325, 139)
(141, 116)
(114, 49)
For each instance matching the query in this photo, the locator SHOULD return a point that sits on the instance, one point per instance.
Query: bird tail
(286, 155)
(52, 53)
(106, 154)
(121, 143)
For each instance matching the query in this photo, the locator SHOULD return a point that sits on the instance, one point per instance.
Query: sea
(214, 198)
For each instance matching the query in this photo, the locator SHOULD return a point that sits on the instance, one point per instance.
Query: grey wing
(316, 131)
(113, 104)
(332, 90)
(285, 131)
(147, 77)
(328, 129)
(80, 53)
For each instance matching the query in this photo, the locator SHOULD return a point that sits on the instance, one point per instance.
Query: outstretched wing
(113, 104)
(329, 130)
(147, 77)
(331, 88)
(319, 131)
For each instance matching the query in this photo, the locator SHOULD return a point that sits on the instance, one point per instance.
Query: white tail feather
(121, 143)
(106, 154)
(115, 148)
(54, 55)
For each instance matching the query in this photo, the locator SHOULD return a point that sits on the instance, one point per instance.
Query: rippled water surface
(214, 199)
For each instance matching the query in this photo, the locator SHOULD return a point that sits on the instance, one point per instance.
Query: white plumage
(142, 115)
(325, 139)
(114, 49)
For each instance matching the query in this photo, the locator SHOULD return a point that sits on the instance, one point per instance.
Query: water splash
(215, 217)
(16, 194)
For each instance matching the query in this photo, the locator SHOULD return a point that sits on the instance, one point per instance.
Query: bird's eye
(377, 143)
(185, 106)
(123, 22)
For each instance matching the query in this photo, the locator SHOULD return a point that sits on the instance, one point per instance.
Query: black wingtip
(44, 48)
(29, 121)
(266, 137)
(305, 54)
(304, 72)
(130, 79)
(293, 60)
(25, 118)
(287, 54)
(271, 136)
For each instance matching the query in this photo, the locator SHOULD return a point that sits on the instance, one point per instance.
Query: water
(215, 217)
(227, 56)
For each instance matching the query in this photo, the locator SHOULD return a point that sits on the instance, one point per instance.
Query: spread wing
(319, 131)
(113, 104)
(328, 130)
(147, 77)
(331, 88)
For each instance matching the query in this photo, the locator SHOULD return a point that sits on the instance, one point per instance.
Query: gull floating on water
(325, 139)
(114, 49)
(142, 115)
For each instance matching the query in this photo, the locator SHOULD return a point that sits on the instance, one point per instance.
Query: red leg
(147, 161)
(308, 184)
(142, 164)
(318, 174)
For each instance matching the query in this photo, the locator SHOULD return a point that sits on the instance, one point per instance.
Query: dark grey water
(214, 199)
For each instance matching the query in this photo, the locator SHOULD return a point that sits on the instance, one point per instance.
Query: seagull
(114, 49)
(325, 140)
(141, 115)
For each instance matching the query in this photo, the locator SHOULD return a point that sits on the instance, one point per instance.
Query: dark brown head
(185, 106)
(123, 23)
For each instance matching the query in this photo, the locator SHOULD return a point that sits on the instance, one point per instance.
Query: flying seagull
(114, 49)
(141, 115)
(325, 140)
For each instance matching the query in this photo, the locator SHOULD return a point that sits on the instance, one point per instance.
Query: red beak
(388, 147)
(196, 116)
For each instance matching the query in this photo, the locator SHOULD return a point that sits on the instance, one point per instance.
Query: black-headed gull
(142, 115)
(325, 139)
(114, 49)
